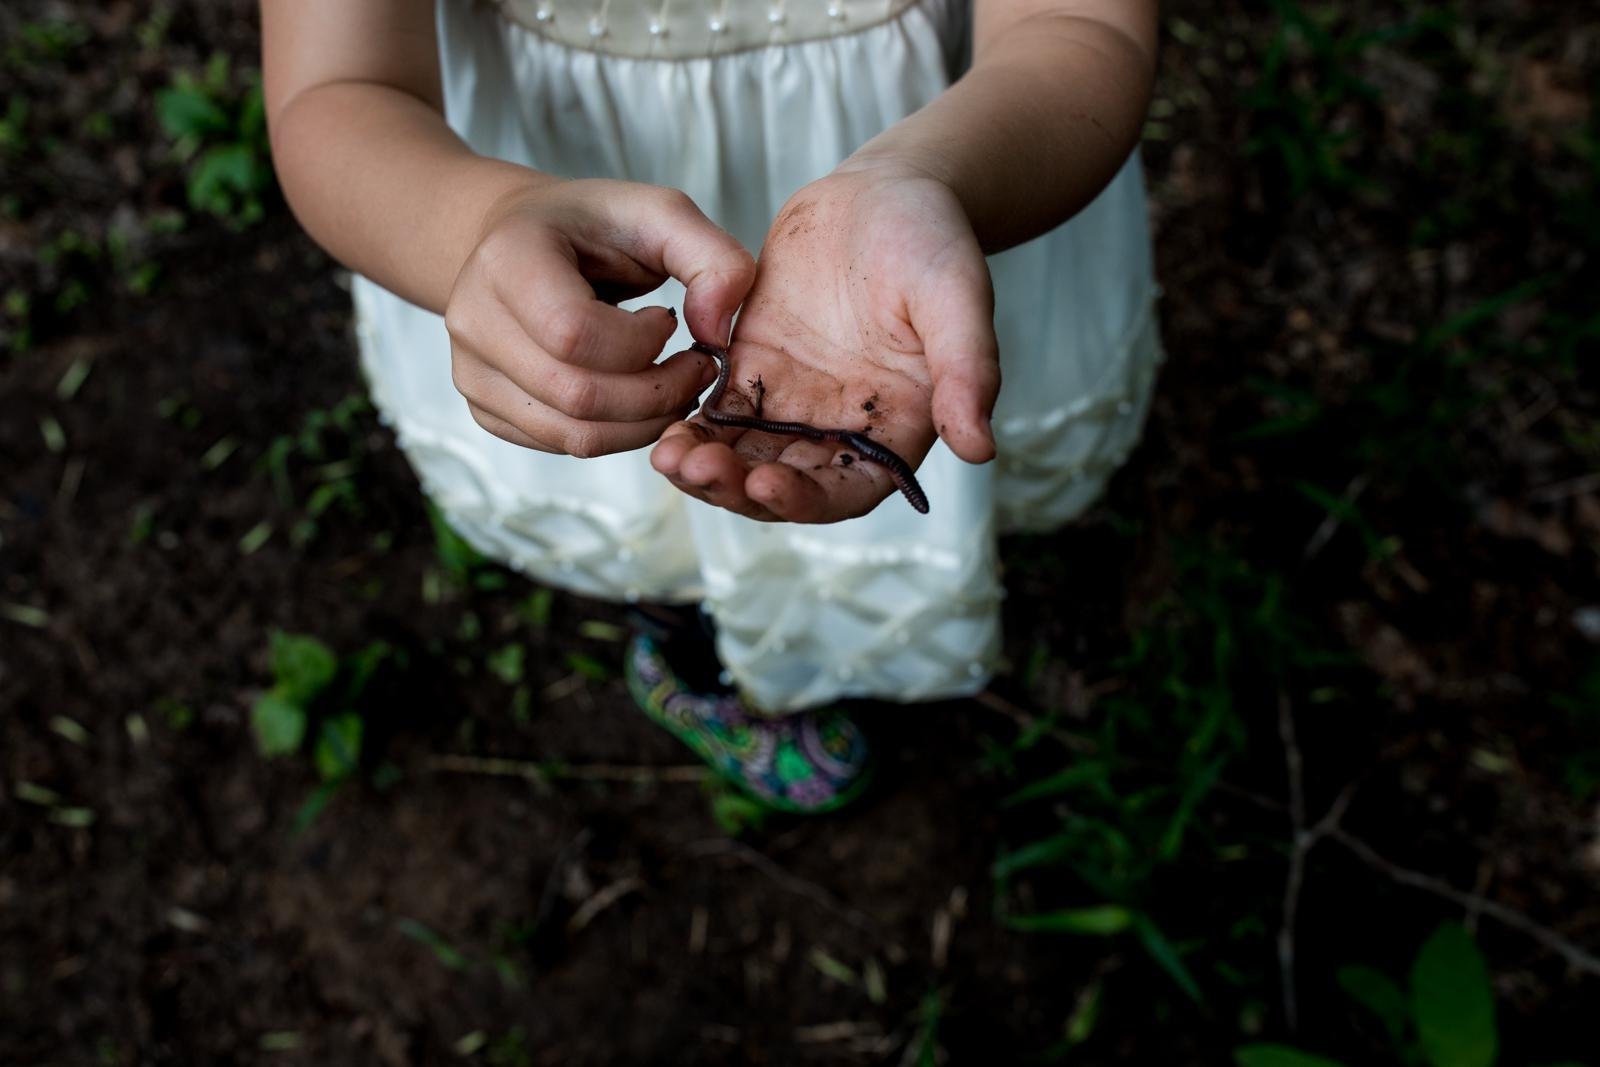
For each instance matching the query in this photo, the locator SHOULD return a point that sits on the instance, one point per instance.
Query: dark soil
(427, 913)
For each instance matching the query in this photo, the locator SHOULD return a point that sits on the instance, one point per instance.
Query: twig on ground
(828, 1033)
(544, 774)
(1579, 958)
(1330, 827)
(1333, 520)
(783, 878)
(1549, 494)
(1305, 839)
(547, 897)
(1302, 844)
(601, 901)
(944, 920)
(699, 923)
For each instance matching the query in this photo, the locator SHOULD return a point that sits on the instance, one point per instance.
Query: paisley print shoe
(805, 763)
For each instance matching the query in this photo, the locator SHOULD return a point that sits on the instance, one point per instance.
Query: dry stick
(793, 883)
(601, 901)
(544, 774)
(1305, 839)
(1577, 957)
(1548, 494)
(1330, 523)
(1303, 842)
(1329, 827)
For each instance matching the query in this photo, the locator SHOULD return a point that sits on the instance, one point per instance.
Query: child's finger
(538, 281)
(498, 396)
(956, 324)
(668, 232)
(494, 339)
(810, 483)
(707, 470)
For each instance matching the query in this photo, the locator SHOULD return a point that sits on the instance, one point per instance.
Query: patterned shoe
(806, 763)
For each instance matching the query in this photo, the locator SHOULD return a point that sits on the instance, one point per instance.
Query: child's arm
(510, 256)
(1054, 102)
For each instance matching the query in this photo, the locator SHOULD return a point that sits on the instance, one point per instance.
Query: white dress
(740, 103)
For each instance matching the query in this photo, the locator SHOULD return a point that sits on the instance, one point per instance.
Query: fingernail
(725, 330)
(673, 312)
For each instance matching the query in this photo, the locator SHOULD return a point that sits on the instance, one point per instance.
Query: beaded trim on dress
(693, 29)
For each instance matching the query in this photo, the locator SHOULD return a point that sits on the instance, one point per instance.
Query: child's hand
(872, 308)
(538, 347)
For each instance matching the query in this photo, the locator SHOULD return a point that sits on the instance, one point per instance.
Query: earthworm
(904, 478)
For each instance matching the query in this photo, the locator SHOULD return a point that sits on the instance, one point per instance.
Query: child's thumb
(715, 269)
(964, 363)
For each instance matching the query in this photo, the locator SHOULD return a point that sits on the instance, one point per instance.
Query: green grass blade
(1104, 920)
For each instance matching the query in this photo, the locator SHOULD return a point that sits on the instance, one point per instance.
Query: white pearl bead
(776, 17)
(835, 12)
(543, 15)
(717, 25)
(596, 28)
(657, 30)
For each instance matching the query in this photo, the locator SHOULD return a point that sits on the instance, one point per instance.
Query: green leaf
(536, 607)
(1102, 921)
(1088, 773)
(1081, 1023)
(1278, 1056)
(587, 666)
(506, 664)
(1379, 994)
(443, 951)
(735, 813)
(222, 175)
(457, 557)
(360, 667)
(338, 750)
(1453, 1002)
(253, 116)
(1162, 951)
(1041, 853)
(186, 111)
(302, 665)
(1488, 309)
(833, 968)
(311, 810)
(601, 631)
(279, 723)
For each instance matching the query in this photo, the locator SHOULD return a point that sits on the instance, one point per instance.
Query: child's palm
(872, 312)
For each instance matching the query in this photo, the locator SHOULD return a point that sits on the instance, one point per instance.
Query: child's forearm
(375, 175)
(1048, 113)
